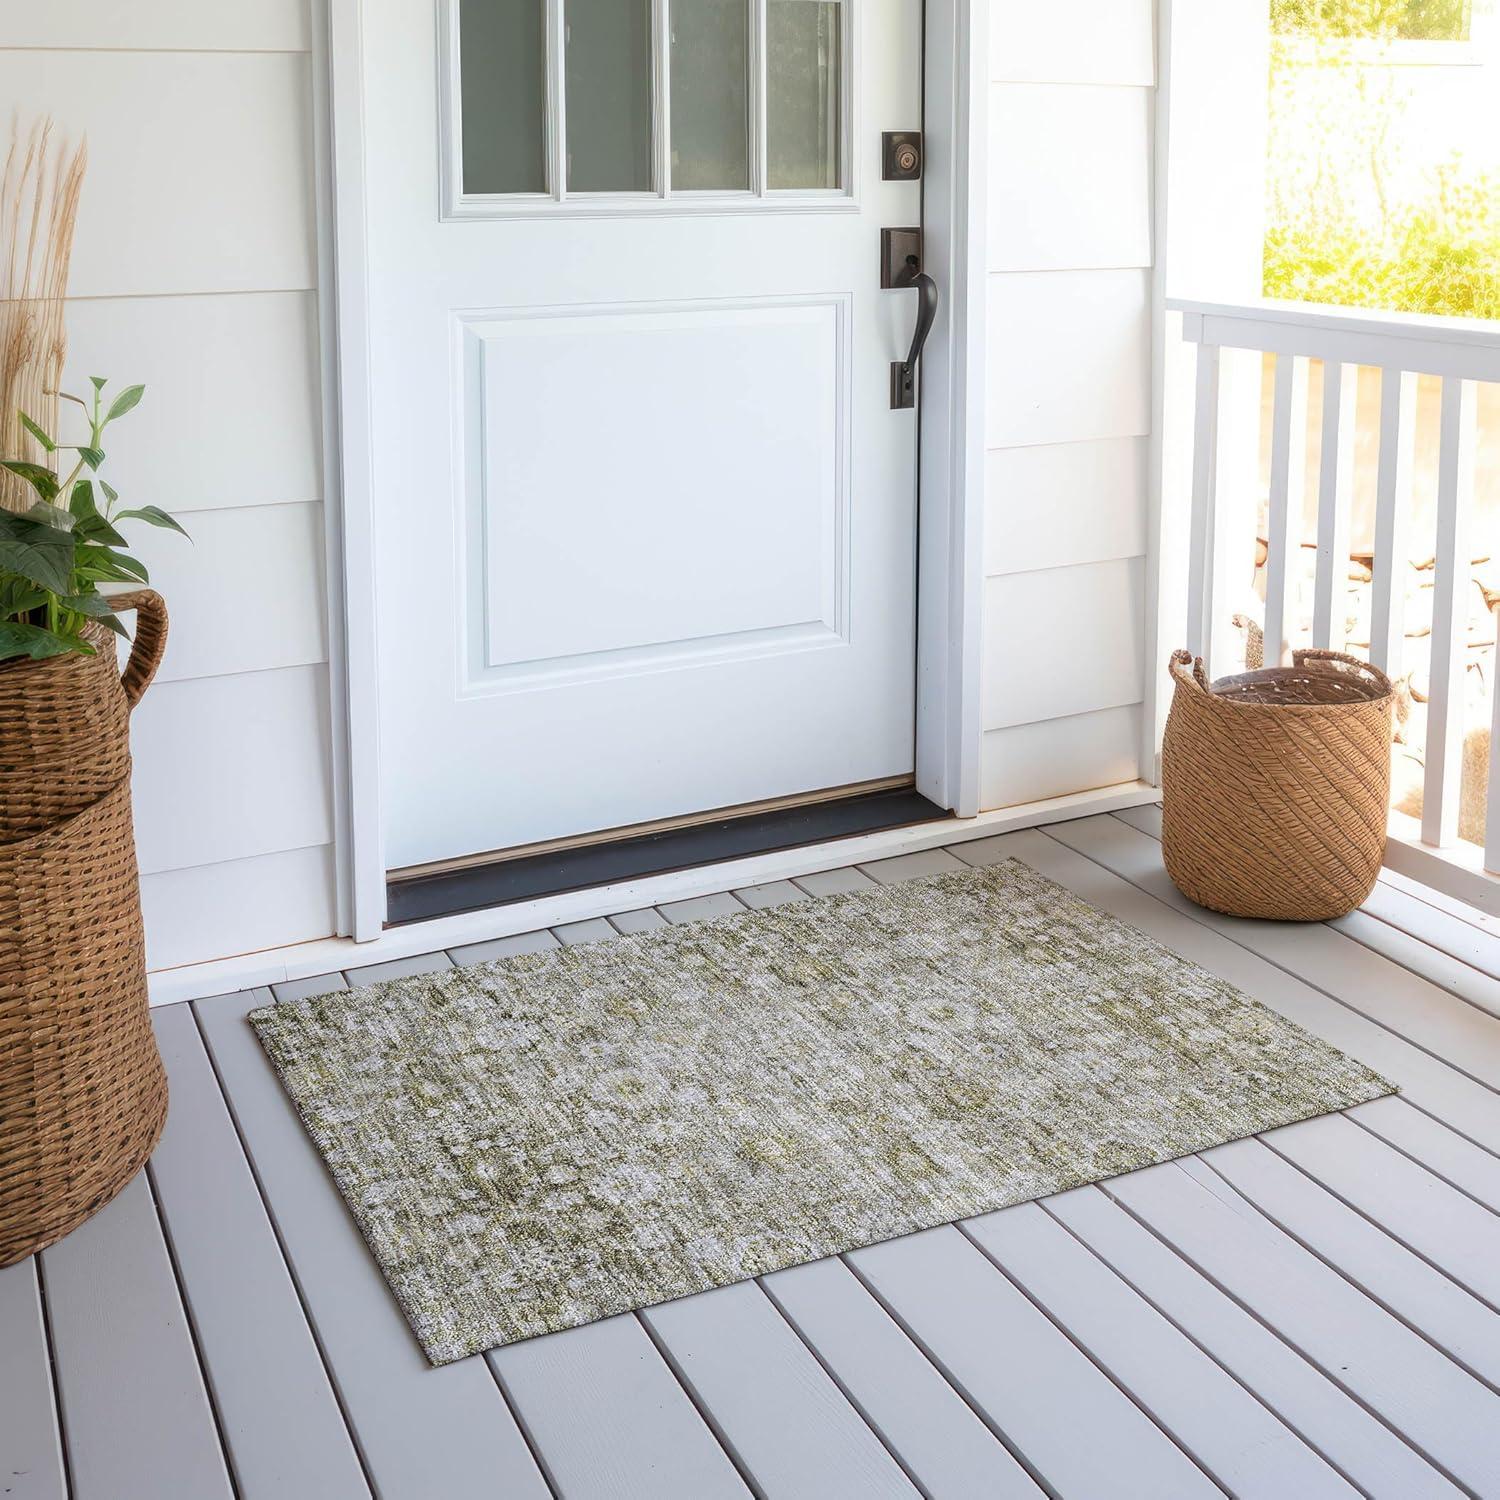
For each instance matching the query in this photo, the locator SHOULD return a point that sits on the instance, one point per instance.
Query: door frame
(950, 565)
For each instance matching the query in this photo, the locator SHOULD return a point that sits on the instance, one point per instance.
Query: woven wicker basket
(83, 1095)
(1276, 786)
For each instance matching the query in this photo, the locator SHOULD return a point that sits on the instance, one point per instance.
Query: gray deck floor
(1310, 1313)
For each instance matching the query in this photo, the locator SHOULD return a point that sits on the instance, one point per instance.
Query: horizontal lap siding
(1068, 380)
(195, 272)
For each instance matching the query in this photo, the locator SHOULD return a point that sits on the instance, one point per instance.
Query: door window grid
(467, 193)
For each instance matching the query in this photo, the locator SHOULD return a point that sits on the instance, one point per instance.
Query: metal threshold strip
(423, 893)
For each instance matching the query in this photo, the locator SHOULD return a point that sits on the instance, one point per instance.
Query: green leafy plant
(55, 553)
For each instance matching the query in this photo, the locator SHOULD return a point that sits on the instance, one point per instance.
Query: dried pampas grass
(38, 211)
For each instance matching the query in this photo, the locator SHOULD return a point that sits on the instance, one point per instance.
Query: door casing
(950, 569)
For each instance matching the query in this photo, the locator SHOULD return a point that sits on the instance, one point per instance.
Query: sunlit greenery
(1415, 20)
(1440, 256)
(1350, 220)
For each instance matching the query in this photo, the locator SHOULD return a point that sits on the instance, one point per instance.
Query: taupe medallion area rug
(546, 1140)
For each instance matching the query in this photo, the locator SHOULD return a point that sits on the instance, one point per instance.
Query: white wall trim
(272, 966)
(360, 855)
(1159, 616)
(329, 393)
(951, 515)
(950, 545)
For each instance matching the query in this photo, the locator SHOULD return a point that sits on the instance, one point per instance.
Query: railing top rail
(1466, 347)
(1481, 331)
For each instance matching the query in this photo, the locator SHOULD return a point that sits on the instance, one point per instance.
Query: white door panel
(731, 417)
(646, 523)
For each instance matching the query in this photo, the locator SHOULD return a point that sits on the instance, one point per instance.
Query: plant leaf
(43, 481)
(41, 554)
(98, 382)
(93, 605)
(20, 639)
(36, 431)
(96, 529)
(110, 492)
(155, 515)
(127, 400)
(93, 457)
(92, 526)
(17, 597)
(51, 515)
(97, 563)
(96, 607)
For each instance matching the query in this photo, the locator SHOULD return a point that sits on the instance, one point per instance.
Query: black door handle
(904, 372)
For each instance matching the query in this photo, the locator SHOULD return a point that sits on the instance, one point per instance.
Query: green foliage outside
(1344, 223)
(1439, 256)
(1414, 20)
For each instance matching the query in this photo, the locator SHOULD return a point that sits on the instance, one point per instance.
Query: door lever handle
(904, 372)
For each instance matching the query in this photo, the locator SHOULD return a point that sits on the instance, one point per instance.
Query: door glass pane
(502, 98)
(803, 105)
(710, 94)
(608, 98)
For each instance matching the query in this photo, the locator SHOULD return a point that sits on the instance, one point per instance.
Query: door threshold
(509, 878)
(216, 976)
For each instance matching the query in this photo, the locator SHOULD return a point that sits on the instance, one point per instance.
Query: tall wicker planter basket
(83, 1095)
(1276, 786)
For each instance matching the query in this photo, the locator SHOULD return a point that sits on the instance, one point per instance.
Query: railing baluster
(1284, 523)
(1398, 425)
(1201, 571)
(1450, 616)
(1335, 503)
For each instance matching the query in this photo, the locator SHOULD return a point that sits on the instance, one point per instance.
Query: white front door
(645, 518)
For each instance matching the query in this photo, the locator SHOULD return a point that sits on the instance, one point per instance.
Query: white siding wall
(195, 271)
(1069, 381)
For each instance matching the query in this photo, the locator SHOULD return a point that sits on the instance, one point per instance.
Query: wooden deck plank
(773, 1406)
(1468, 983)
(1445, 1413)
(1393, 997)
(1327, 1418)
(901, 867)
(1460, 956)
(1422, 1297)
(314, 984)
(421, 1431)
(943, 1444)
(277, 1411)
(833, 882)
(763, 897)
(1244, 1446)
(398, 968)
(135, 1414)
(506, 947)
(1123, 879)
(31, 1461)
(1445, 1153)
(1443, 1226)
(1469, 942)
(644, 919)
(702, 908)
(1035, 1388)
(609, 1418)
(594, 930)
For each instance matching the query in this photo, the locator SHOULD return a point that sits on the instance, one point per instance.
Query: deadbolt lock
(901, 152)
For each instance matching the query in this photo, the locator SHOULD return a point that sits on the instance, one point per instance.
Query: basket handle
(1177, 665)
(150, 640)
(1362, 668)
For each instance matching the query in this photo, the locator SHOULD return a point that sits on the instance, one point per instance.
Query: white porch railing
(1233, 509)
